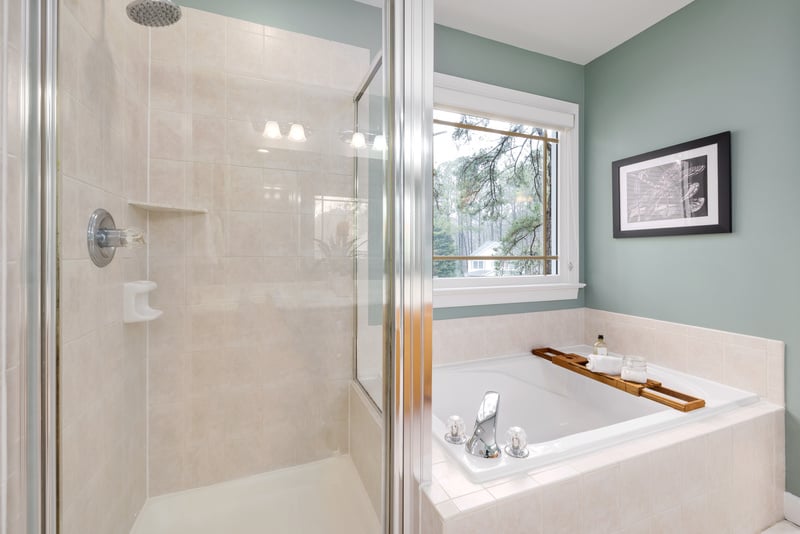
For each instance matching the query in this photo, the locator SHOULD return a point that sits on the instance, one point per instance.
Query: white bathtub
(563, 413)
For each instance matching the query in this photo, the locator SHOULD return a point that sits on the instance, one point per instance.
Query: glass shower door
(227, 139)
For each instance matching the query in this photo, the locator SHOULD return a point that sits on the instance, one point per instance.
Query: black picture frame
(683, 189)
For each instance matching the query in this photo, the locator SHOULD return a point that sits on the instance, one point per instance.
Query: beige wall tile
(208, 139)
(169, 43)
(746, 368)
(207, 91)
(205, 39)
(775, 372)
(89, 167)
(670, 347)
(169, 135)
(705, 358)
(747, 362)
(280, 56)
(244, 52)
(167, 182)
(457, 340)
(365, 445)
(168, 86)
(600, 509)
(558, 515)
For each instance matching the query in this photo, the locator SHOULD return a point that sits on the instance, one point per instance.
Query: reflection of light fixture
(358, 140)
(379, 143)
(272, 130)
(297, 133)
(263, 150)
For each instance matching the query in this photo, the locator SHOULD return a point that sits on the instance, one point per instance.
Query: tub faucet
(483, 442)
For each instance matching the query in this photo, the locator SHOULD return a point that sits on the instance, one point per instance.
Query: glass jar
(634, 363)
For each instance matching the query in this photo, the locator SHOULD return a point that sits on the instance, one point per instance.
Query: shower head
(154, 13)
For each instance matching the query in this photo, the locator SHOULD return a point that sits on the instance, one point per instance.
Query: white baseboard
(791, 507)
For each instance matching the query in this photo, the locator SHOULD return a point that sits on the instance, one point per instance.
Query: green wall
(715, 65)
(462, 54)
(345, 21)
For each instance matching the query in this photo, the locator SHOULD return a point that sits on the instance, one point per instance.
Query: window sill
(483, 295)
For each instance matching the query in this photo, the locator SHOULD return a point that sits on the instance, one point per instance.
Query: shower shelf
(165, 208)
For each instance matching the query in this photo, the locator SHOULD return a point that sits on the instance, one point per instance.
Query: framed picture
(678, 190)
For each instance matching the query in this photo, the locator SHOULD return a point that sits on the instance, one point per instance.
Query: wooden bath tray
(652, 390)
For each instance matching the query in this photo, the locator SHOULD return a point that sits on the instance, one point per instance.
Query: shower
(238, 407)
(154, 13)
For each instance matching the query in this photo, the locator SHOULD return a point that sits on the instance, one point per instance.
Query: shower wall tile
(366, 437)
(168, 86)
(244, 52)
(207, 90)
(205, 40)
(208, 139)
(169, 44)
(103, 163)
(167, 181)
(170, 135)
(253, 354)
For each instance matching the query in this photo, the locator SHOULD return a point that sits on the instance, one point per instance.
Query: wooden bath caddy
(652, 390)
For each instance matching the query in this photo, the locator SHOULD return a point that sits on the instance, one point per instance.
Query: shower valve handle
(103, 237)
(122, 237)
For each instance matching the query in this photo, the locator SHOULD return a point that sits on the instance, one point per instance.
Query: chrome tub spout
(483, 442)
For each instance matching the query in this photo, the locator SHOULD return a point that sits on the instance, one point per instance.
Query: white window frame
(459, 95)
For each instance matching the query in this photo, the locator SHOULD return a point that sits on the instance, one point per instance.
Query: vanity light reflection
(297, 133)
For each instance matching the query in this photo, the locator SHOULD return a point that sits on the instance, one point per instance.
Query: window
(505, 195)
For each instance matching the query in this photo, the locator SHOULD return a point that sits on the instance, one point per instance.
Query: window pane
(492, 196)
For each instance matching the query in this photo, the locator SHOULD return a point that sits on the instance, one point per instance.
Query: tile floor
(784, 527)
(325, 496)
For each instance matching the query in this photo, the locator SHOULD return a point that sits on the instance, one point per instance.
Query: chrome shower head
(154, 13)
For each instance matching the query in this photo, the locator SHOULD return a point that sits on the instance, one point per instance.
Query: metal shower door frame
(408, 42)
(39, 318)
(408, 316)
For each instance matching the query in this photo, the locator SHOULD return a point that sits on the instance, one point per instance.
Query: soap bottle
(600, 347)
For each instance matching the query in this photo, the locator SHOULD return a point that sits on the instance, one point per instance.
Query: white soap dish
(136, 302)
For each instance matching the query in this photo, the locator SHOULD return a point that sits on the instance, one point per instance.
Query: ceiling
(574, 30)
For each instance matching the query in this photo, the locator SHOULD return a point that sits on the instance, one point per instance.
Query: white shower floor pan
(325, 496)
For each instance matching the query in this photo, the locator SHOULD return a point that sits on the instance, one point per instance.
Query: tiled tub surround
(751, 363)
(564, 414)
(476, 338)
(251, 362)
(746, 362)
(722, 474)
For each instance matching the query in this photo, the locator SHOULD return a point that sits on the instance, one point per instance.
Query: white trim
(791, 507)
(506, 294)
(471, 97)
(462, 95)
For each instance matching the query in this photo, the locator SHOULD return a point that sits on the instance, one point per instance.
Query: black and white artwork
(683, 189)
